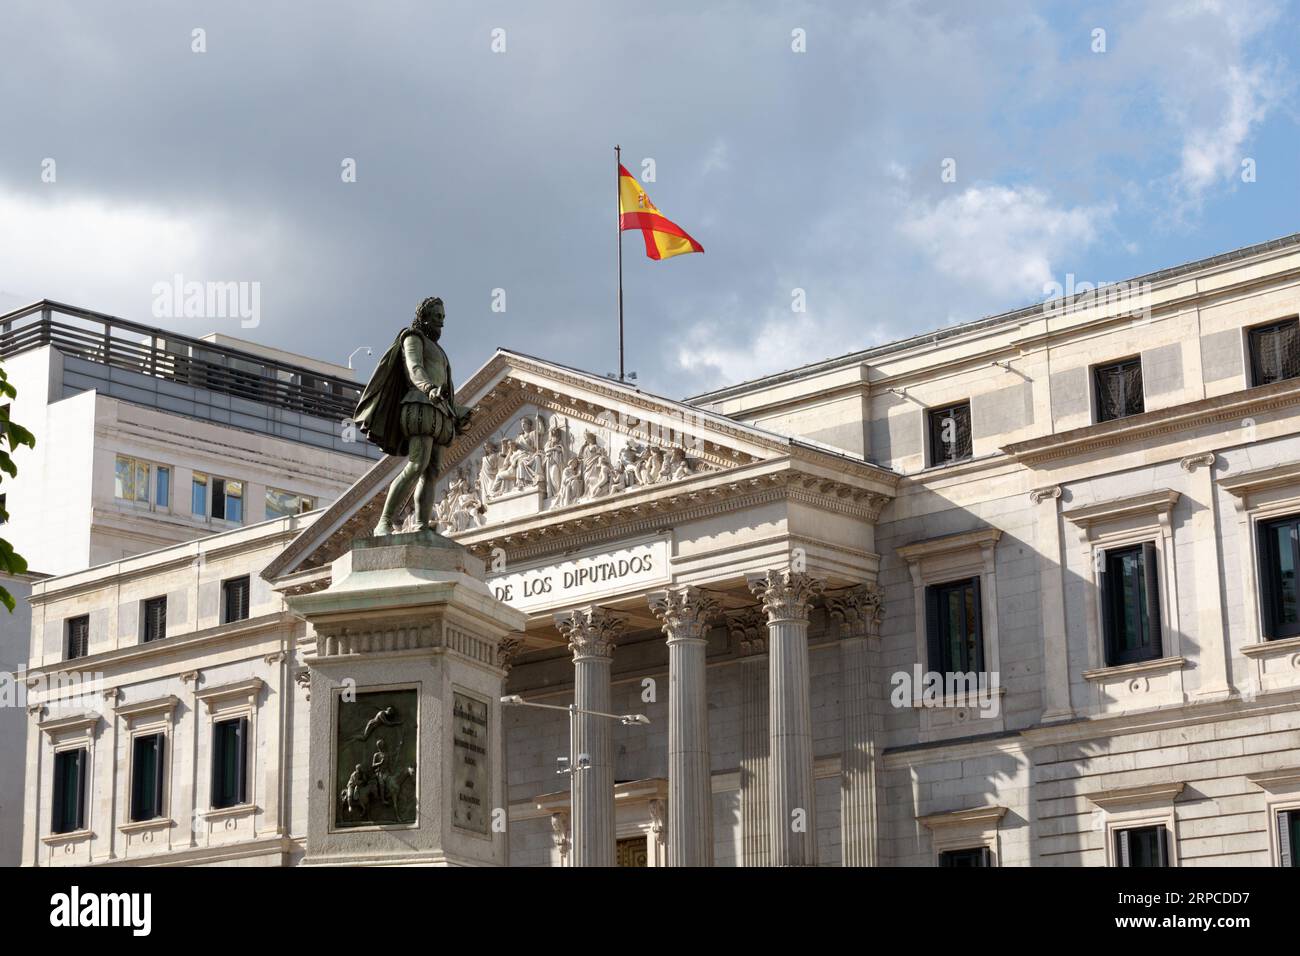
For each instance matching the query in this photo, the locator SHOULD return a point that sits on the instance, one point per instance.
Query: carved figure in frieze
(651, 466)
(676, 467)
(629, 460)
(466, 510)
(525, 461)
(590, 453)
(491, 478)
(554, 454)
(600, 478)
(571, 485)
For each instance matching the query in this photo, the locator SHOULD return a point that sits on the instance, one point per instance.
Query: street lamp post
(575, 762)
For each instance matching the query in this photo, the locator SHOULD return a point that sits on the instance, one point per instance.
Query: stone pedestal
(406, 743)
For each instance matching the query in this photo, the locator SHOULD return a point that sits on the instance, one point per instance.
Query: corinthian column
(591, 633)
(786, 597)
(748, 629)
(856, 613)
(683, 612)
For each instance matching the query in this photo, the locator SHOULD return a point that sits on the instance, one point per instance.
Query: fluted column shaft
(786, 598)
(857, 615)
(592, 632)
(749, 635)
(684, 612)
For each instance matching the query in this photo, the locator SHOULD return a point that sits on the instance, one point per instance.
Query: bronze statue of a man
(408, 408)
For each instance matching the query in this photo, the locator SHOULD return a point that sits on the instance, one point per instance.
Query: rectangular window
(229, 763)
(131, 480)
(282, 504)
(147, 776)
(220, 498)
(1142, 847)
(1288, 837)
(234, 600)
(77, 637)
(69, 791)
(1131, 605)
(1118, 389)
(950, 438)
(1274, 352)
(154, 619)
(954, 627)
(199, 495)
(1279, 559)
(163, 496)
(975, 856)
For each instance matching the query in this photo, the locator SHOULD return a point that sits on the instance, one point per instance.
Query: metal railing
(118, 343)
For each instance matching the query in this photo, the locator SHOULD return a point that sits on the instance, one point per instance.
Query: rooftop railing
(107, 340)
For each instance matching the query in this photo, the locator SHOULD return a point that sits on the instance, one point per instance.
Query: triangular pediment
(550, 446)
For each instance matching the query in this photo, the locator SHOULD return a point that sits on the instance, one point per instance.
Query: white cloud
(1003, 239)
(106, 255)
(1216, 88)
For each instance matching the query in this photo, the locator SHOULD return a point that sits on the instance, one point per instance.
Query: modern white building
(1019, 592)
(146, 438)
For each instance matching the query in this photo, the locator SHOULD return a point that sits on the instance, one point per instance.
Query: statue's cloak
(379, 410)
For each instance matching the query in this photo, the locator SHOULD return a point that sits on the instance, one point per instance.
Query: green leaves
(11, 436)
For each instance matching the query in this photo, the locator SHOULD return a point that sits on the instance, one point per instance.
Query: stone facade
(767, 603)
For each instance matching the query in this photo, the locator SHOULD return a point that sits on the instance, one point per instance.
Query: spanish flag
(663, 238)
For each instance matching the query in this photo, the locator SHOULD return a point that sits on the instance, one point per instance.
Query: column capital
(507, 650)
(747, 629)
(560, 833)
(1050, 493)
(591, 631)
(683, 611)
(1192, 462)
(857, 611)
(785, 595)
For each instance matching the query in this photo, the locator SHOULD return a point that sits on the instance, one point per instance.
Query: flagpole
(618, 196)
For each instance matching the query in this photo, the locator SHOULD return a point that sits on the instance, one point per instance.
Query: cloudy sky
(1101, 154)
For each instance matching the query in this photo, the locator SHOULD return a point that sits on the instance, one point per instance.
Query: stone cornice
(1146, 428)
(1154, 794)
(248, 688)
(181, 645)
(1277, 781)
(1245, 483)
(1150, 503)
(654, 509)
(159, 705)
(948, 544)
(981, 817)
(69, 724)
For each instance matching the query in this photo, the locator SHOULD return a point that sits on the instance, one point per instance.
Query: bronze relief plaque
(375, 745)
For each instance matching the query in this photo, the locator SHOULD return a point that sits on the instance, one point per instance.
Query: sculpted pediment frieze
(542, 461)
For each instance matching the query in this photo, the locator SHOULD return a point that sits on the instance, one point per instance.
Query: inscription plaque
(472, 768)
